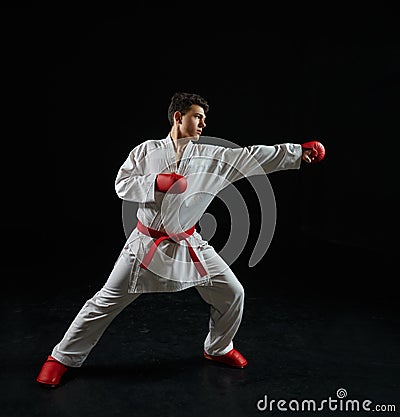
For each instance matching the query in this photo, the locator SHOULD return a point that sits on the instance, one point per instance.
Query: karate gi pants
(225, 297)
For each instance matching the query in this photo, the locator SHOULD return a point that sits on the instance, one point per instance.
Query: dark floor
(305, 333)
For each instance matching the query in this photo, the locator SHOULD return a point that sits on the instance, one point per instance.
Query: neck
(179, 142)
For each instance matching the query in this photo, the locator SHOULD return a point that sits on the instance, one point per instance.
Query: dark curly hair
(182, 101)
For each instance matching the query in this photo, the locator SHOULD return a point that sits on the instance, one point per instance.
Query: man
(173, 180)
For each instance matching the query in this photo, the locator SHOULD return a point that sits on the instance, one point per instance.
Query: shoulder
(219, 148)
(207, 148)
(149, 145)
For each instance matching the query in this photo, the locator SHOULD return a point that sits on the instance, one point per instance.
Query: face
(192, 123)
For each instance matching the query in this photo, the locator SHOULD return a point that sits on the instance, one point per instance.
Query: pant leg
(95, 316)
(226, 299)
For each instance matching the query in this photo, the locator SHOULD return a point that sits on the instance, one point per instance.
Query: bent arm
(132, 185)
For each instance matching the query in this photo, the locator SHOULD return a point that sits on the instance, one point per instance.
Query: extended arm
(263, 159)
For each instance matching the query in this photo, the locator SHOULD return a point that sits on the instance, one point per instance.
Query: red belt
(160, 236)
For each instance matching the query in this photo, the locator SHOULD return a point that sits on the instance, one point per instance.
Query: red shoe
(51, 372)
(232, 358)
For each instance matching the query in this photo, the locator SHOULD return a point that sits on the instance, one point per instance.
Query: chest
(178, 158)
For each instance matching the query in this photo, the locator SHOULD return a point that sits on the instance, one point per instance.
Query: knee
(239, 293)
(107, 299)
(236, 295)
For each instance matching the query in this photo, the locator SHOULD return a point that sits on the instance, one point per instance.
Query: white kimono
(208, 169)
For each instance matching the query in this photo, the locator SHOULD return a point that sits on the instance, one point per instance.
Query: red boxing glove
(174, 183)
(317, 148)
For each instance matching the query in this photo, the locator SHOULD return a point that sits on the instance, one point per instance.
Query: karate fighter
(173, 180)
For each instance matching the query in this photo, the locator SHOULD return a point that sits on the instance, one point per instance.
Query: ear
(178, 117)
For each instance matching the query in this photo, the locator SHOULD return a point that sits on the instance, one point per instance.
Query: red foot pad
(232, 358)
(51, 372)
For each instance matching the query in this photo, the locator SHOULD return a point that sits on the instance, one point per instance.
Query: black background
(83, 84)
(101, 81)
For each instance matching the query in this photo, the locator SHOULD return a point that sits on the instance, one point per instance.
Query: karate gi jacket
(208, 169)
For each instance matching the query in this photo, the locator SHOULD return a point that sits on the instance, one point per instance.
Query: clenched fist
(173, 183)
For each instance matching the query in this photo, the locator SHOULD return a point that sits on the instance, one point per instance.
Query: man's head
(187, 113)
(182, 102)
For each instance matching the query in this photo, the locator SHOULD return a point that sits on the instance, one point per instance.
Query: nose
(202, 123)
